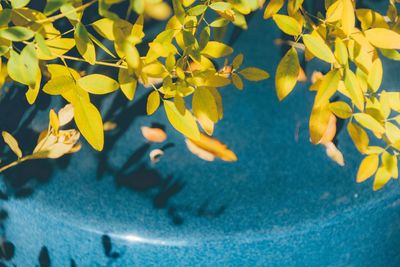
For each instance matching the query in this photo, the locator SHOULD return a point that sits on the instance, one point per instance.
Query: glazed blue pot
(284, 203)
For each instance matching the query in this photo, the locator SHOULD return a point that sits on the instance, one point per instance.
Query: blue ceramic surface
(284, 203)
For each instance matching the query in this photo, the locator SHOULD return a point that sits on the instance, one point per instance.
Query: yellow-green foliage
(178, 65)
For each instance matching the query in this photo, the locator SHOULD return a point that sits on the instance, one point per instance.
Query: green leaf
(84, 45)
(287, 24)
(287, 73)
(153, 102)
(254, 74)
(98, 84)
(16, 33)
(185, 124)
(317, 46)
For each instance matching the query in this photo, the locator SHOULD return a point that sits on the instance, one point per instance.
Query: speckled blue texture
(284, 203)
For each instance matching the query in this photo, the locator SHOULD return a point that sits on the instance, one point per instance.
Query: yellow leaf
(89, 122)
(205, 109)
(392, 132)
(155, 135)
(216, 50)
(335, 11)
(341, 53)
(389, 162)
(272, 8)
(330, 131)
(59, 85)
(370, 19)
(369, 122)
(98, 84)
(319, 121)
(382, 176)
(237, 61)
(341, 109)
(348, 17)
(367, 168)
(359, 137)
(354, 89)
(128, 83)
(57, 47)
(287, 24)
(208, 148)
(317, 46)
(328, 87)
(254, 74)
(12, 143)
(84, 45)
(153, 102)
(287, 73)
(33, 92)
(375, 75)
(185, 124)
(104, 27)
(383, 38)
(54, 121)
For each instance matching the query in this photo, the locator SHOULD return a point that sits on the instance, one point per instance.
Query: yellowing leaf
(341, 109)
(369, 122)
(319, 121)
(287, 73)
(237, 81)
(272, 8)
(287, 24)
(328, 87)
(359, 137)
(16, 33)
(317, 46)
(155, 135)
(208, 148)
(330, 131)
(335, 11)
(205, 109)
(12, 143)
(98, 84)
(54, 121)
(254, 74)
(57, 47)
(341, 53)
(128, 83)
(153, 102)
(382, 176)
(84, 45)
(375, 75)
(389, 162)
(348, 17)
(354, 89)
(89, 122)
(367, 168)
(59, 85)
(216, 50)
(383, 38)
(185, 124)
